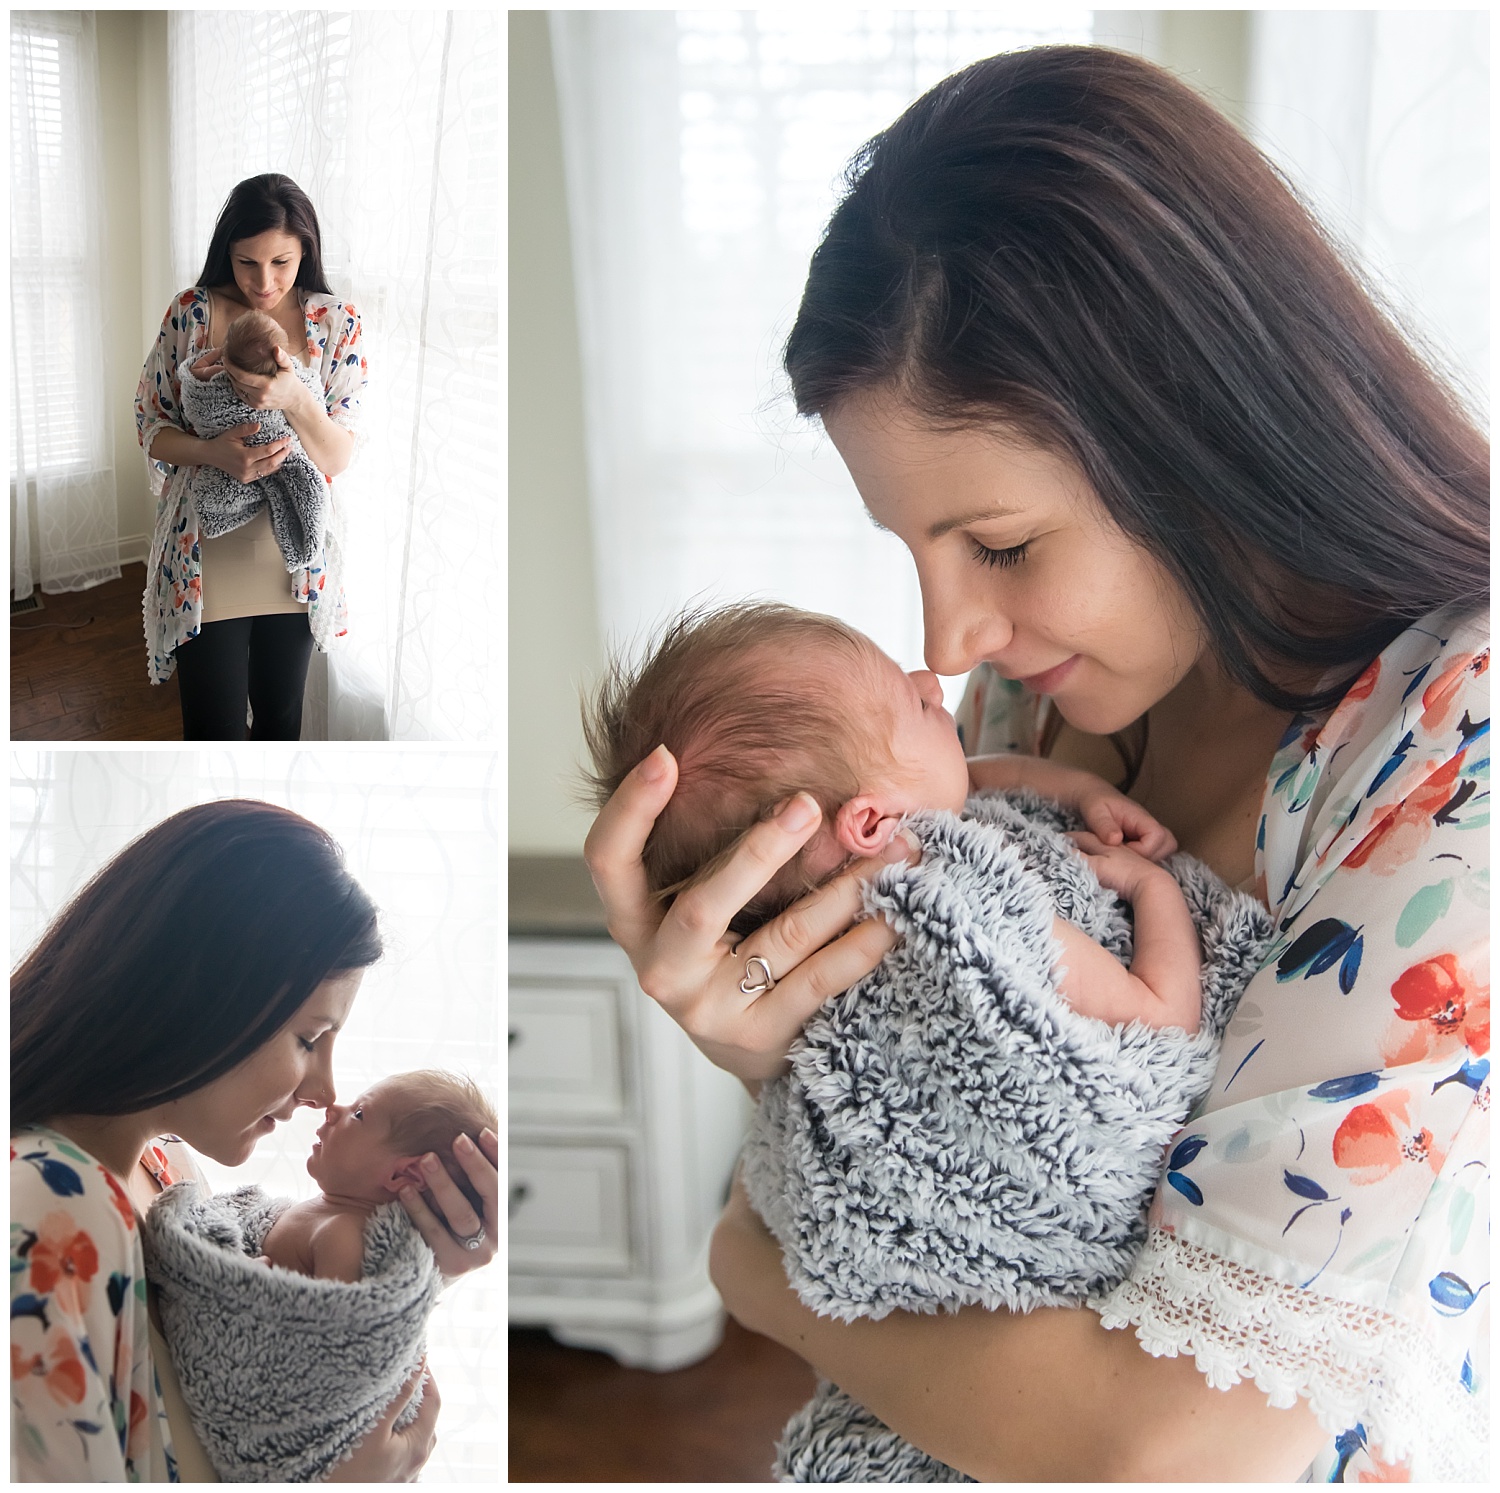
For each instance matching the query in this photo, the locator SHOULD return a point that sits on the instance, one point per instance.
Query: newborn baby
(760, 701)
(364, 1154)
(296, 493)
(285, 1369)
(982, 1119)
(250, 343)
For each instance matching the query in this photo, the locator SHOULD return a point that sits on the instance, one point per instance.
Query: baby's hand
(209, 363)
(1120, 868)
(1118, 820)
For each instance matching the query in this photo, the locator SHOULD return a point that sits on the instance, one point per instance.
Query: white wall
(554, 633)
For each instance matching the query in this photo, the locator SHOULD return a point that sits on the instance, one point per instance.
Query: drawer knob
(512, 1036)
(519, 1192)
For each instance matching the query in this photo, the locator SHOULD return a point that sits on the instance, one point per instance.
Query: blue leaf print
(1466, 1374)
(88, 1353)
(1393, 762)
(1346, 1443)
(1243, 1061)
(1318, 949)
(1345, 1088)
(1185, 1151)
(1416, 679)
(1471, 1076)
(1349, 964)
(1187, 1187)
(1452, 1295)
(1304, 1187)
(1470, 731)
(30, 1305)
(119, 1284)
(58, 1175)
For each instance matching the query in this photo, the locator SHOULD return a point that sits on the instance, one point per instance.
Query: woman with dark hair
(224, 612)
(131, 1036)
(1200, 520)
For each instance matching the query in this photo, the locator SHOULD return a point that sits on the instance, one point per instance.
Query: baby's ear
(863, 827)
(405, 1172)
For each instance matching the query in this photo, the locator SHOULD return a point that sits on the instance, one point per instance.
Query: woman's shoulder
(318, 307)
(63, 1199)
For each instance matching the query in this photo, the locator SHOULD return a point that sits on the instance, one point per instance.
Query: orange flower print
(1385, 1472)
(66, 1378)
(1397, 836)
(1440, 698)
(63, 1262)
(1346, 717)
(122, 1203)
(1375, 1139)
(1440, 1008)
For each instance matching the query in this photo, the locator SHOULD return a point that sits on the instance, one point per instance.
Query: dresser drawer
(564, 1051)
(567, 1209)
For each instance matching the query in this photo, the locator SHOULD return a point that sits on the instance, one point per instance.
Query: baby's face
(352, 1156)
(924, 765)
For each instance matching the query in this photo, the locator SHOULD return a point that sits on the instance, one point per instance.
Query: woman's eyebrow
(947, 525)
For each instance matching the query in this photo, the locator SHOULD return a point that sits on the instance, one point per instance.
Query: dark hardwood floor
(580, 1417)
(78, 669)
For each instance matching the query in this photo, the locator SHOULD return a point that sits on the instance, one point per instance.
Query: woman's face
(265, 267)
(225, 1119)
(1020, 565)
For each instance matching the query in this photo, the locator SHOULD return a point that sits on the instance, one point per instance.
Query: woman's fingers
(693, 929)
(613, 850)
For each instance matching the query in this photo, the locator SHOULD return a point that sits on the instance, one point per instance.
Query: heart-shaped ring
(766, 982)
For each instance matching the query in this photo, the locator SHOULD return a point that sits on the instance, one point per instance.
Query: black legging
(262, 660)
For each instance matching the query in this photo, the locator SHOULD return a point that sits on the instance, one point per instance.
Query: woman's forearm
(330, 446)
(1048, 1396)
(178, 448)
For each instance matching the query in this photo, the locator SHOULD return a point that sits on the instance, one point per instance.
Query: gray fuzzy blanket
(284, 1374)
(951, 1132)
(296, 492)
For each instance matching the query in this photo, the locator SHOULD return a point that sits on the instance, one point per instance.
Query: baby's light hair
(251, 342)
(438, 1107)
(721, 687)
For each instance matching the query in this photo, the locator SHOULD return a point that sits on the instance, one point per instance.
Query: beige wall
(554, 633)
(133, 105)
(554, 641)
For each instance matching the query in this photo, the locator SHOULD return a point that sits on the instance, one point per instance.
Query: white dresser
(623, 1138)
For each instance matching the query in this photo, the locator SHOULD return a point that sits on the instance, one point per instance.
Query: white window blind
(63, 517)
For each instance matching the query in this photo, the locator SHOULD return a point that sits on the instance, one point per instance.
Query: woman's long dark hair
(191, 948)
(1069, 242)
(257, 204)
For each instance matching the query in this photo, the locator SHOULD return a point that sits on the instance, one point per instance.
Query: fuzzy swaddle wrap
(296, 492)
(951, 1132)
(284, 1374)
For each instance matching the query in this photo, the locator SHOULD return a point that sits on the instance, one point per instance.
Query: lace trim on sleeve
(1351, 1363)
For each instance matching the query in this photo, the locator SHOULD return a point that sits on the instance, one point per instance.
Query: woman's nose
(316, 1089)
(960, 632)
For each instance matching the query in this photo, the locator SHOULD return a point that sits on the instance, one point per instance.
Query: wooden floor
(580, 1417)
(78, 669)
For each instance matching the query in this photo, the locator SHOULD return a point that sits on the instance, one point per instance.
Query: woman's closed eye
(1000, 558)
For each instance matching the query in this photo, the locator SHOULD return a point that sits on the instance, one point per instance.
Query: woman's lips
(1048, 680)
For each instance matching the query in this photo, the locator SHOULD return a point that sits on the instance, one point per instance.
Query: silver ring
(766, 982)
(474, 1240)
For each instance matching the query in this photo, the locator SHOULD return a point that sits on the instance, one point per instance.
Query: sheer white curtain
(420, 830)
(704, 151)
(1381, 118)
(63, 522)
(389, 120)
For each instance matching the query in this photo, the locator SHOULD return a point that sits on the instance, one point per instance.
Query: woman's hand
(232, 453)
(744, 1263)
(458, 1220)
(387, 1455)
(688, 962)
(281, 390)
